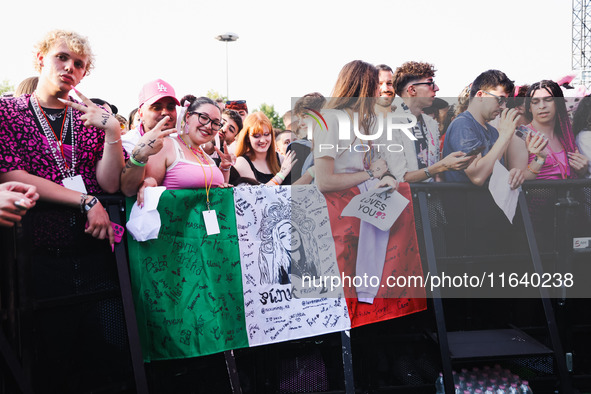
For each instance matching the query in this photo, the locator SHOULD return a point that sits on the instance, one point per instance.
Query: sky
(288, 49)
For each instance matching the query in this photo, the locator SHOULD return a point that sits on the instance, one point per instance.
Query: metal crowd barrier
(453, 226)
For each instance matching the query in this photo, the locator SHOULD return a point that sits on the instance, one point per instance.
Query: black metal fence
(65, 300)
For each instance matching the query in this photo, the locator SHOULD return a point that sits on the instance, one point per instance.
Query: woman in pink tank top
(182, 163)
(549, 150)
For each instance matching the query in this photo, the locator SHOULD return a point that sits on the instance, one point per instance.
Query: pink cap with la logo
(154, 91)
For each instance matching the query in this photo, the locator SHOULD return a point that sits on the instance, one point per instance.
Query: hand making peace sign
(94, 115)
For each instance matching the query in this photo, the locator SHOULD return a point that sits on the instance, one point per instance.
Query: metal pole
(227, 83)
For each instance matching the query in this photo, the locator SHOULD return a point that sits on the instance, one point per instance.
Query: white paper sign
(377, 206)
(501, 192)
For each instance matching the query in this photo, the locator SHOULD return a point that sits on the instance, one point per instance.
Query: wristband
(427, 173)
(83, 198)
(113, 142)
(387, 173)
(540, 160)
(532, 171)
(311, 172)
(370, 173)
(136, 162)
(225, 169)
(280, 176)
(88, 206)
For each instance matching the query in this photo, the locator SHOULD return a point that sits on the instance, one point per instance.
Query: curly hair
(463, 100)
(409, 72)
(77, 43)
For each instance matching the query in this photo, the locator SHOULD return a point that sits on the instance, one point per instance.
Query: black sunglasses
(500, 99)
(432, 83)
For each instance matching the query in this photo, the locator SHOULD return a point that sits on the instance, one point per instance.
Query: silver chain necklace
(58, 115)
(52, 140)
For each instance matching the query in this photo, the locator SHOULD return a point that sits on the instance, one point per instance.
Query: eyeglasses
(500, 99)
(432, 83)
(216, 125)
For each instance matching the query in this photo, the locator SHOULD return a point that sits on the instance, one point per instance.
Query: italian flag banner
(187, 286)
(259, 280)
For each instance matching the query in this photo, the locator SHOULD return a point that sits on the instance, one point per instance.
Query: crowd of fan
(67, 152)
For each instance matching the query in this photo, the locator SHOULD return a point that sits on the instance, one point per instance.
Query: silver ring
(20, 204)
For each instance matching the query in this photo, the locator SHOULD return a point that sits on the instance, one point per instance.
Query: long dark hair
(562, 126)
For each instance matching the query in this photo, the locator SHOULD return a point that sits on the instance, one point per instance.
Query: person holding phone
(549, 150)
(471, 129)
(420, 159)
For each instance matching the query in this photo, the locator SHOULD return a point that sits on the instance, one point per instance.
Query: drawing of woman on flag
(288, 246)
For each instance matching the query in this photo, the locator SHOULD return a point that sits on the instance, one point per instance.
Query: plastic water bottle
(524, 388)
(501, 390)
(489, 390)
(439, 387)
(457, 389)
(513, 389)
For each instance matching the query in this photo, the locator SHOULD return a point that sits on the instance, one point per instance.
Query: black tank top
(265, 178)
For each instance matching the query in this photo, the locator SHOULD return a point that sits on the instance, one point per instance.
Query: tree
(6, 87)
(273, 116)
(214, 95)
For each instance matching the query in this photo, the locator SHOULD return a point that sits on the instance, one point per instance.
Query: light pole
(227, 37)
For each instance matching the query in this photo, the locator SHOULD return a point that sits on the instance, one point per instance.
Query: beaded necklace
(53, 139)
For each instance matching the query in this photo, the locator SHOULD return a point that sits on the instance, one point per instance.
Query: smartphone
(476, 151)
(118, 230)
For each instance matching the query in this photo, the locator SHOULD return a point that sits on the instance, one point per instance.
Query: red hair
(255, 123)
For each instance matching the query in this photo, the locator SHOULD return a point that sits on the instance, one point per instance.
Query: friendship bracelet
(83, 198)
(281, 176)
(387, 173)
(532, 171)
(112, 143)
(136, 162)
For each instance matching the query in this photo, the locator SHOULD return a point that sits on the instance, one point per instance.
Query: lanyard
(200, 152)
